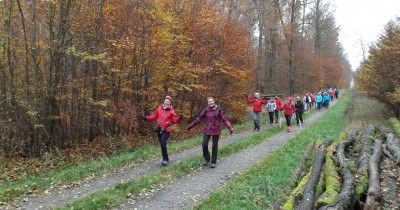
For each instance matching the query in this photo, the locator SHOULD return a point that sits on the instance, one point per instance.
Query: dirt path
(58, 197)
(189, 190)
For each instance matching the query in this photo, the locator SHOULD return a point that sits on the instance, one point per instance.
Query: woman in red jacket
(288, 110)
(278, 108)
(257, 104)
(164, 116)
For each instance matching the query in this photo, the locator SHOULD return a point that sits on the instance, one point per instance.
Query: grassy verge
(117, 195)
(262, 185)
(9, 190)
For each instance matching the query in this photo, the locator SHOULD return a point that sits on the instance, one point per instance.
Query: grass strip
(9, 190)
(262, 185)
(117, 195)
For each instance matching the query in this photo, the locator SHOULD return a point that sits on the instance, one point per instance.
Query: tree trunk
(309, 190)
(346, 196)
(374, 188)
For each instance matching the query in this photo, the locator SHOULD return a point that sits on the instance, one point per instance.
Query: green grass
(9, 190)
(117, 195)
(264, 184)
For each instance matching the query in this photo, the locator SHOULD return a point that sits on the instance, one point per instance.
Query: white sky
(362, 20)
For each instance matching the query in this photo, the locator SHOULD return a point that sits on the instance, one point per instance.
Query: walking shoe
(288, 129)
(213, 165)
(206, 163)
(164, 163)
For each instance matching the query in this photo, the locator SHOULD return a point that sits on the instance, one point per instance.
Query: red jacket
(257, 104)
(278, 103)
(164, 118)
(288, 109)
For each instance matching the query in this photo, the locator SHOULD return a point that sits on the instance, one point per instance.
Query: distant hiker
(164, 116)
(257, 104)
(212, 115)
(288, 110)
(271, 107)
(299, 105)
(318, 100)
(313, 104)
(336, 93)
(326, 99)
(278, 108)
(331, 93)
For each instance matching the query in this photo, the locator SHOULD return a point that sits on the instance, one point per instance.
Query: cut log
(392, 144)
(305, 164)
(346, 196)
(332, 181)
(374, 189)
(307, 202)
(362, 171)
(296, 194)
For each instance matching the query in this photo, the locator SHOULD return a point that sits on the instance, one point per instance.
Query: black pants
(163, 139)
(271, 117)
(319, 104)
(299, 116)
(206, 153)
(288, 118)
(276, 116)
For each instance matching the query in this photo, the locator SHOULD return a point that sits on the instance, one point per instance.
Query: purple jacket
(212, 117)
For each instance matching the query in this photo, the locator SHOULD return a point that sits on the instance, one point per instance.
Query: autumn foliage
(379, 74)
(74, 71)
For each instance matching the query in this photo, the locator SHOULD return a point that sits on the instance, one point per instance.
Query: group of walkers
(274, 106)
(212, 115)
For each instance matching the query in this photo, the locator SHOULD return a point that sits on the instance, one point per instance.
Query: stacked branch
(307, 202)
(362, 171)
(374, 188)
(346, 196)
(392, 144)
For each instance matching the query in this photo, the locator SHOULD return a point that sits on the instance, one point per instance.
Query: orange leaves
(379, 75)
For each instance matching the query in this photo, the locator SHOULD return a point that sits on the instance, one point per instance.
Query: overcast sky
(362, 19)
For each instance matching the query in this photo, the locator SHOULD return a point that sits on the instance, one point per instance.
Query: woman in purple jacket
(212, 115)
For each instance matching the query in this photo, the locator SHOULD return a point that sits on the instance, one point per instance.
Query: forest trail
(186, 191)
(189, 190)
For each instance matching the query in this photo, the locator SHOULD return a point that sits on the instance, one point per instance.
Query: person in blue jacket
(326, 99)
(318, 100)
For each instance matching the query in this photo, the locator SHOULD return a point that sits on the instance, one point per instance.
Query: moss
(332, 180)
(395, 125)
(361, 187)
(296, 192)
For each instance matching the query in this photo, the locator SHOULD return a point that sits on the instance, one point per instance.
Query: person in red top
(164, 116)
(288, 110)
(278, 108)
(257, 104)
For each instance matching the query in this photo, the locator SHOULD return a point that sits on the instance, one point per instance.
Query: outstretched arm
(153, 116)
(198, 119)
(227, 123)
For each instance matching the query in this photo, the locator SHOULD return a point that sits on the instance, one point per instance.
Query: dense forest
(73, 71)
(379, 74)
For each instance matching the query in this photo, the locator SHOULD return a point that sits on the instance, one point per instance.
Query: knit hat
(168, 97)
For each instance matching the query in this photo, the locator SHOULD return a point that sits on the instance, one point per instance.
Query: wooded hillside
(71, 71)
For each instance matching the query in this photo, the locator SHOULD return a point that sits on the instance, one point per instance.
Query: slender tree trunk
(27, 80)
(94, 117)
(10, 63)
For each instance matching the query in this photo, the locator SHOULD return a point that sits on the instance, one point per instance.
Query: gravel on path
(189, 190)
